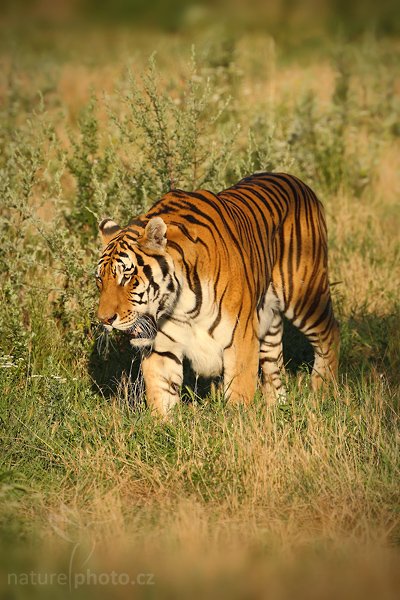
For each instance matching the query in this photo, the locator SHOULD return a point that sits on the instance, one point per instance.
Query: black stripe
(148, 272)
(166, 334)
(235, 327)
(270, 344)
(270, 200)
(268, 359)
(308, 327)
(219, 315)
(216, 207)
(162, 263)
(196, 289)
(170, 355)
(181, 254)
(290, 266)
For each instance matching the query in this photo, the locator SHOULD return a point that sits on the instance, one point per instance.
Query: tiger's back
(240, 260)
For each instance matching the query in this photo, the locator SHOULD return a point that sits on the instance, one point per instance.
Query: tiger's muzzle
(143, 331)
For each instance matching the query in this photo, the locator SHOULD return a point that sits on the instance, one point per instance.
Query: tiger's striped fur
(209, 276)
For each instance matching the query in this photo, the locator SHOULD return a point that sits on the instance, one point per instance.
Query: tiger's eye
(125, 279)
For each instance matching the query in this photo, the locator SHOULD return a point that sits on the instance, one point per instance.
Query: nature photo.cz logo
(77, 578)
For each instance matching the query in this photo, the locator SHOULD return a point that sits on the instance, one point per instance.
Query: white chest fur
(189, 336)
(204, 352)
(191, 339)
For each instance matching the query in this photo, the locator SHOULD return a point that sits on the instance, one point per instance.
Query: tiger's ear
(108, 229)
(154, 239)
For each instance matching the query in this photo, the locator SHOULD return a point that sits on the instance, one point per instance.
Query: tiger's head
(136, 279)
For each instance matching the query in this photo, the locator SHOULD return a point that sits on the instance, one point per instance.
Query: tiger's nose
(108, 320)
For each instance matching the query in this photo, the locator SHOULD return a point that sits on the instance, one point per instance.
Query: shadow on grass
(108, 368)
(369, 343)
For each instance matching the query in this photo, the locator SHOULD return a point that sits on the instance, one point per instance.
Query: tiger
(209, 277)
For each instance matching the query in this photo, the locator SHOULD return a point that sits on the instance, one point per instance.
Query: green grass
(299, 498)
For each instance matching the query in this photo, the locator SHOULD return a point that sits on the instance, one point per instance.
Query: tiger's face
(136, 280)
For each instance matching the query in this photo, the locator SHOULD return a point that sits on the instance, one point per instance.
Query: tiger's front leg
(241, 368)
(163, 376)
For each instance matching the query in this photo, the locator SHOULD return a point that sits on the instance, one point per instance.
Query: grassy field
(97, 497)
